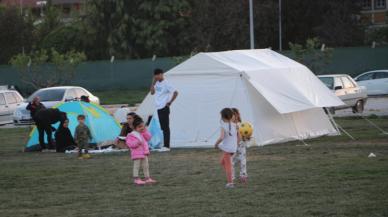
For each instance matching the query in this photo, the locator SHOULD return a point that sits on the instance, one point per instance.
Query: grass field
(331, 176)
(130, 97)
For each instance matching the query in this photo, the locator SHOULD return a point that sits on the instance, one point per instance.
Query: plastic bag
(154, 128)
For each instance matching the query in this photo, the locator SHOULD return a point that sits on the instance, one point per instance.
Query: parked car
(9, 101)
(50, 97)
(353, 95)
(376, 82)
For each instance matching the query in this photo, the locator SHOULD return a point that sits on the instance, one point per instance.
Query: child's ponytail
(227, 114)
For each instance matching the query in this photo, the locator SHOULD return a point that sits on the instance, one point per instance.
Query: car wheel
(359, 107)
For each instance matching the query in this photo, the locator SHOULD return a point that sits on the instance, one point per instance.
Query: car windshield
(48, 95)
(328, 81)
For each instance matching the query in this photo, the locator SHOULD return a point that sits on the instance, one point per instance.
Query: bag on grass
(156, 132)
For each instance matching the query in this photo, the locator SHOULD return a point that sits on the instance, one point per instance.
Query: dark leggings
(164, 119)
(42, 129)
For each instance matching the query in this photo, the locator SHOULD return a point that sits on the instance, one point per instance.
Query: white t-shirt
(229, 143)
(163, 93)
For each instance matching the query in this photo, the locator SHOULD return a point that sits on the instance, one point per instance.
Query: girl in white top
(227, 142)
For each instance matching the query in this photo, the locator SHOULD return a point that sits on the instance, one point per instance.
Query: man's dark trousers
(164, 119)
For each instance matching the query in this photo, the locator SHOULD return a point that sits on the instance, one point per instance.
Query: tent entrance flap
(282, 103)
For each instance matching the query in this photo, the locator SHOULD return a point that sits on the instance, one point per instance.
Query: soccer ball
(246, 129)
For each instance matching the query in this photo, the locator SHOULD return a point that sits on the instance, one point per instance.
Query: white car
(49, 98)
(9, 101)
(353, 95)
(376, 82)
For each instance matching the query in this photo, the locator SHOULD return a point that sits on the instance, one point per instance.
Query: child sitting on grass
(137, 142)
(227, 142)
(63, 138)
(82, 136)
(241, 154)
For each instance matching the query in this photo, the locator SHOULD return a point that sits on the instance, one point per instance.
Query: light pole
(112, 59)
(21, 7)
(41, 4)
(280, 25)
(251, 29)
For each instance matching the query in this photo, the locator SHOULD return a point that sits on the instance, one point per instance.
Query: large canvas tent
(282, 98)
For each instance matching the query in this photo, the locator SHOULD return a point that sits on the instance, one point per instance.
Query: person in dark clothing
(63, 138)
(34, 106)
(85, 99)
(44, 118)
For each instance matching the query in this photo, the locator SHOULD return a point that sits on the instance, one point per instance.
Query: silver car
(376, 82)
(353, 95)
(9, 101)
(49, 98)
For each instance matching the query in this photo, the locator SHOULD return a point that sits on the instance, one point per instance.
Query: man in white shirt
(165, 94)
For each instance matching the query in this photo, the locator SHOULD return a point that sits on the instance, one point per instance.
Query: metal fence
(137, 74)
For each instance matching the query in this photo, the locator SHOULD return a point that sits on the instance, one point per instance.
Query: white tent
(283, 99)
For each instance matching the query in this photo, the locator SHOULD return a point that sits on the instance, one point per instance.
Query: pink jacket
(138, 144)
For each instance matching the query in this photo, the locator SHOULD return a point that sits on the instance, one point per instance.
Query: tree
(334, 22)
(64, 38)
(341, 25)
(312, 55)
(108, 24)
(48, 23)
(44, 68)
(377, 35)
(15, 34)
(159, 26)
(134, 29)
(224, 25)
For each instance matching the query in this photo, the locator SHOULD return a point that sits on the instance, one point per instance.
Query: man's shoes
(164, 149)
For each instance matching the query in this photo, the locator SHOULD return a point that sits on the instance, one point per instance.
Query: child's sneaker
(139, 182)
(87, 156)
(150, 181)
(229, 185)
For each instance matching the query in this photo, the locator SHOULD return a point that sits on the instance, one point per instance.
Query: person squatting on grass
(82, 136)
(227, 142)
(137, 142)
(241, 154)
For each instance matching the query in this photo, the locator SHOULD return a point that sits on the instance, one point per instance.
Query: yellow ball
(246, 129)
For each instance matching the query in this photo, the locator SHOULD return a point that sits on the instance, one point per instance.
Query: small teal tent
(103, 127)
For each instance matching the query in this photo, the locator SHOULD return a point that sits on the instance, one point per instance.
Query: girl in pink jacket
(137, 141)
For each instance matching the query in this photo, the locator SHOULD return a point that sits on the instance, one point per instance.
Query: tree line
(144, 28)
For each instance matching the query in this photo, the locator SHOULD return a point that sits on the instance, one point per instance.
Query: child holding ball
(241, 154)
(227, 142)
(137, 142)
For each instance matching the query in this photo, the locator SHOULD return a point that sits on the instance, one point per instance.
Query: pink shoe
(150, 181)
(139, 182)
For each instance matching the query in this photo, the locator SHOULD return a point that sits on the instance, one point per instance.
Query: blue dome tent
(103, 127)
